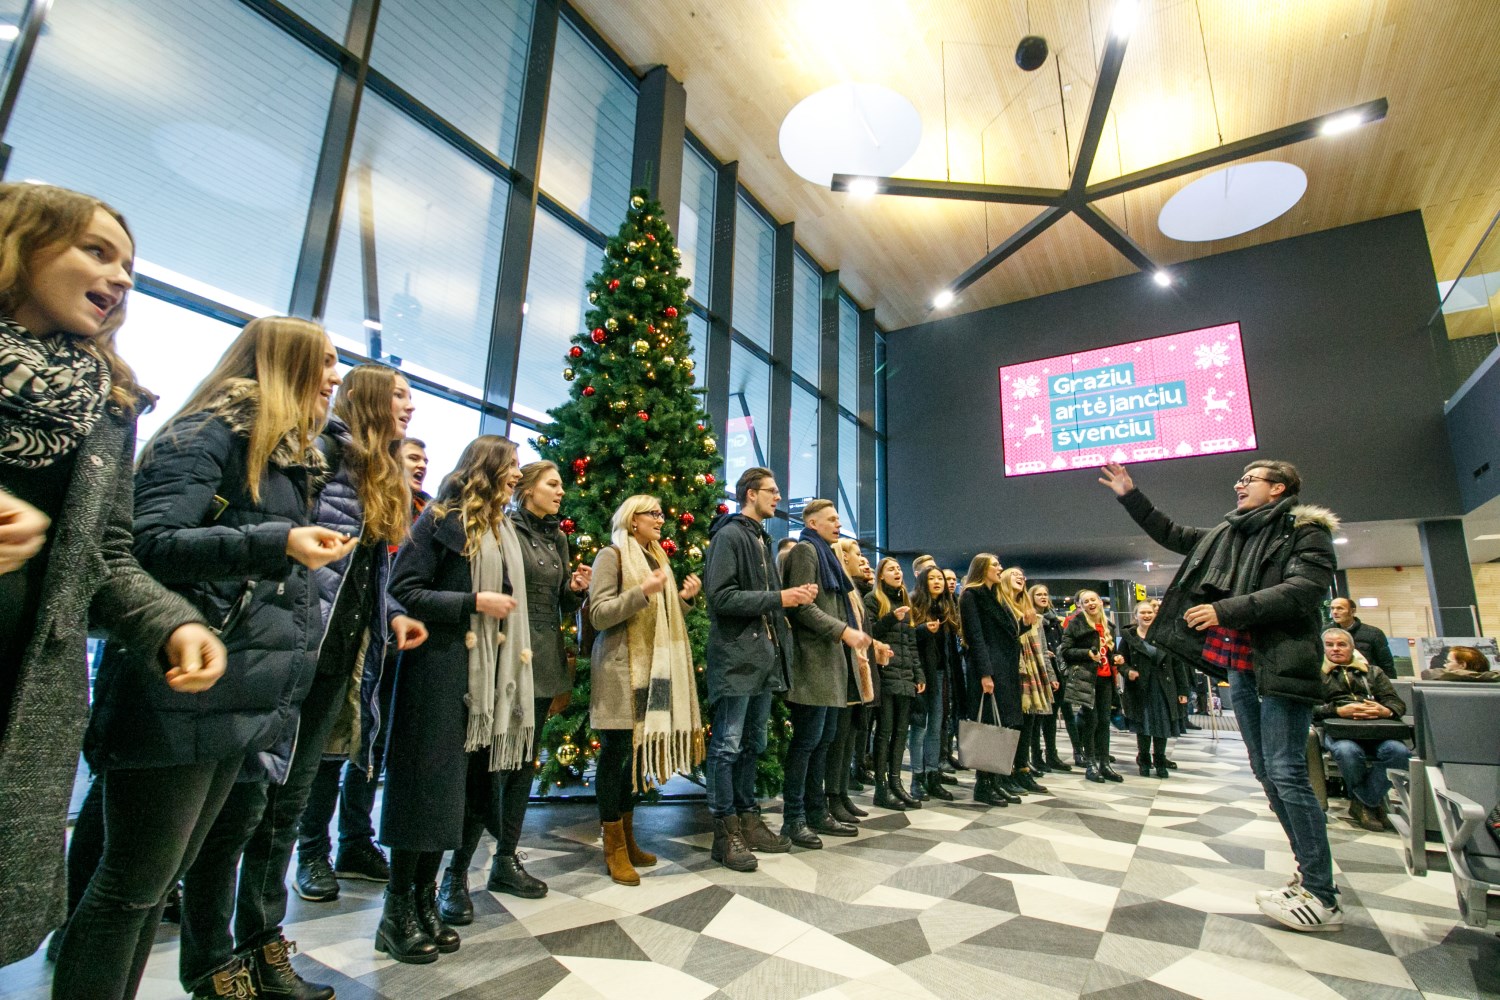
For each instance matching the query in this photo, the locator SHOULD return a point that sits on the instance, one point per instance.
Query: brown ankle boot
(638, 857)
(616, 857)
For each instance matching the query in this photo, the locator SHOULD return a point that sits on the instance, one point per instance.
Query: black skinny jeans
(1094, 724)
(612, 776)
(1151, 748)
(496, 800)
(155, 821)
(840, 753)
(890, 734)
(356, 800)
(1023, 745)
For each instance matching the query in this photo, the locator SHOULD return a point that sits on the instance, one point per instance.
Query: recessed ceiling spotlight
(864, 187)
(1341, 123)
(1162, 278)
(9, 32)
(943, 298)
(1341, 541)
(1122, 23)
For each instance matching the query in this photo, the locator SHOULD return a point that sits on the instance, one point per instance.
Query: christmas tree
(635, 423)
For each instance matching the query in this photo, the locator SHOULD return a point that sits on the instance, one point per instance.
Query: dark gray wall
(1474, 429)
(1344, 376)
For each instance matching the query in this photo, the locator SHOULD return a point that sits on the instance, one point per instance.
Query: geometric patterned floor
(1134, 891)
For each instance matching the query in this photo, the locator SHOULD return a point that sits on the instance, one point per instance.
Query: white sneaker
(1302, 911)
(1292, 885)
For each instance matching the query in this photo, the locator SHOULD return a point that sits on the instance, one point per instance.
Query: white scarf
(668, 732)
(501, 710)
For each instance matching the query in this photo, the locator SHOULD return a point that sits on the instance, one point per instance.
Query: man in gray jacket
(826, 635)
(749, 654)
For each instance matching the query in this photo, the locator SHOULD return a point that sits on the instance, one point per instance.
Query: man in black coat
(1369, 641)
(1245, 603)
(749, 658)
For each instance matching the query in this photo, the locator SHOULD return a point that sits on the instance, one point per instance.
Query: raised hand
(690, 587)
(654, 583)
(1117, 479)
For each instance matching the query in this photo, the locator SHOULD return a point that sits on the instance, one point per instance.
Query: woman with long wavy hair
(67, 444)
(993, 644)
(847, 754)
(1090, 648)
(222, 516)
(1036, 679)
(888, 612)
(464, 717)
(935, 616)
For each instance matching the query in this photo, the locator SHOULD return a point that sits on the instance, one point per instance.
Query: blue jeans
(926, 739)
(736, 743)
(1275, 733)
(813, 730)
(1364, 763)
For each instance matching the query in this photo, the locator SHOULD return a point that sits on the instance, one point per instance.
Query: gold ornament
(632, 246)
(636, 201)
(709, 445)
(569, 374)
(701, 479)
(639, 281)
(618, 405)
(593, 296)
(585, 541)
(689, 364)
(567, 753)
(668, 361)
(695, 553)
(611, 324)
(640, 347)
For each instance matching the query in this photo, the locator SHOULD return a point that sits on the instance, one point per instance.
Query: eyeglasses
(1247, 480)
(658, 515)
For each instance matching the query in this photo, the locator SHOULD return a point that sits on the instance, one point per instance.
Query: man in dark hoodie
(1246, 605)
(749, 658)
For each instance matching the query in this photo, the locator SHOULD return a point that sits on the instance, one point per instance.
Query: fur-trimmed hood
(1359, 663)
(238, 405)
(1305, 513)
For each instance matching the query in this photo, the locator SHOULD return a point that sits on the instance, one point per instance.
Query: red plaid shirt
(1227, 648)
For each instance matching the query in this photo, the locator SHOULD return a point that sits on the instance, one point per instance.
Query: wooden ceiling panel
(1194, 70)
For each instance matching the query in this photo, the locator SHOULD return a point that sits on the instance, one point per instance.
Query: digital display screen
(1168, 397)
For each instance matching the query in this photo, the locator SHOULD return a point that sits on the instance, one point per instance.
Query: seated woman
(1463, 663)
(1352, 689)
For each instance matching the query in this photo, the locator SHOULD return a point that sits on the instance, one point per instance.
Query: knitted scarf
(52, 392)
(668, 734)
(501, 713)
(831, 575)
(1226, 561)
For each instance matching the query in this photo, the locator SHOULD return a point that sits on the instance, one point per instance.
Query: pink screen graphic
(1144, 401)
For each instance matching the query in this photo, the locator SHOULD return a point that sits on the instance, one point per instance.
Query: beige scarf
(501, 713)
(668, 731)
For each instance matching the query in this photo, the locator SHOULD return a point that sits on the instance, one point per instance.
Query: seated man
(1352, 689)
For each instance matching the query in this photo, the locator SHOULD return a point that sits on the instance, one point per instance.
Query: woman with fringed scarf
(644, 699)
(463, 718)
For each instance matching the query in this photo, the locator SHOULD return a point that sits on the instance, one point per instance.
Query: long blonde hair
(1019, 606)
(284, 357)
(38, 218)
(373, 452)
(882, 602)
(476, 488)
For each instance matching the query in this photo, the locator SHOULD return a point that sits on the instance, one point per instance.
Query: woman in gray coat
(67, 445)
(643, 699)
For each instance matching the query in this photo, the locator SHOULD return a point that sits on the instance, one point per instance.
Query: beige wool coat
(611, 701)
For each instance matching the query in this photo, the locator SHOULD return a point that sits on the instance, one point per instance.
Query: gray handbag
(983, 746)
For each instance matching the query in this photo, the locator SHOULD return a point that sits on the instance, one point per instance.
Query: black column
(660, 131)
(1341, 583)
(520, 221)
(321, 236)
(1450, 578)
(779, 436)
(828, 388)
(15, 66)
(868, 498)
(721, 305)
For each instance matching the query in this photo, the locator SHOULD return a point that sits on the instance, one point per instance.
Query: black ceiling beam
(1008, 247)
(1370, 111)
(1115, 237)
(957, 190)
(1093, 126)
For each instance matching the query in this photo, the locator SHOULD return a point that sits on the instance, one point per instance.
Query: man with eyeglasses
(749, 658)
(1246, 603)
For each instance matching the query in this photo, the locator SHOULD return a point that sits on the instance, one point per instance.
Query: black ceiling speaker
(1031, 53)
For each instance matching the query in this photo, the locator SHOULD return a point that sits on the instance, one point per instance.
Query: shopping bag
(983, 746)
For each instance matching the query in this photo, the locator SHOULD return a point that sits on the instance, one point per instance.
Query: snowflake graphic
(1215, 355)
(1027, 388)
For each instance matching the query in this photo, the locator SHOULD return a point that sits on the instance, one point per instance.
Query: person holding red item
(1089, 649)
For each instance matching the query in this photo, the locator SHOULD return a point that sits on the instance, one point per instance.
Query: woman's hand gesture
(690, 587)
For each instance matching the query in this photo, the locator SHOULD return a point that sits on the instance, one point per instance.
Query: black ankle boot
(1056, 763)
(885, 798)
(1144, 763)
(837, 810)
(1163, 767)
(909, 800)
(507, 875)
(1024, 778)
(400, 934)
(445, 937)
(1079, 759)
(454, 903)
(274, 978)
(1110, 774)
(984, 791)
(1006, 785)
(1092, 773)
(849, 806)
(935, 788)
(953, 762)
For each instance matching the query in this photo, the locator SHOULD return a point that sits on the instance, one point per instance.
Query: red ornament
(580, 465)
(651, 237)
(671, 312)
(650, 328)
(614, 284)
(588, 390)
(598, 335)
(668, 546)
(643, 415)
(686, 519)
(567, 525)
(575, 351)
(723, 508)
(700, 427)
(709, 479)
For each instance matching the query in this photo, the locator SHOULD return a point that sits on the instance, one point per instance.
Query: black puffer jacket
(749, 642)
(904, 672)
(1080, 644)
(1283, 615)
(199, 531)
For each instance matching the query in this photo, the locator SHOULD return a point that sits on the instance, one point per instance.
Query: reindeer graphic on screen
(1212, 403)
(1033, 429)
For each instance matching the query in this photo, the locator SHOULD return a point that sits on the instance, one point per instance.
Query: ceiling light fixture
(1341, 123)
(1122, 22)
(864, 187)
(1079, 197)
(9, 32)
(1162, 278)
(858, 129)
(942, 299)
(1341, 541)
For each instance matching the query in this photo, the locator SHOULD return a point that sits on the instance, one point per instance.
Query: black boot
(1093, 773)
(850, 807)
(1024, 779)
(837, 810)
(1110, 774)
(918, 788)
(1163, 767)
(445, 937)
(945, 778)
(1144, 763)
(799, 833)
(454, 904)
(856, 784)
(954, 763)
(400, 934)
(1005, 784)
(272, 973)
(231, 980)
(1171, 764)
(1080, 759)
(825, 822)
(984, 791)
(893, 782)
(935, 787)
(885, 798)
(1056, 763)
(507, 875)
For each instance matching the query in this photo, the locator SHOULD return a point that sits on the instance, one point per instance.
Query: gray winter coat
(749, 644)
(91, 575)
(611, 700)
(821, 666)
(549, 599)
